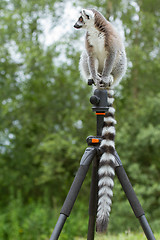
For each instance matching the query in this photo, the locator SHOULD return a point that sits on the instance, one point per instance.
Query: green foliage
(46, 116)
(36, 221)
(31, 222)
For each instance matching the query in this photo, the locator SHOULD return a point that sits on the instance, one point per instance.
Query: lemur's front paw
(97, 81)
(106, 81)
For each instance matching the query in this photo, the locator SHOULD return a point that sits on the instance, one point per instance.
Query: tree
(36, 114)
(45, 110)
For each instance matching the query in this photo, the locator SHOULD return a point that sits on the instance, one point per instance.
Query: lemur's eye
(87, 16)
(81, 19)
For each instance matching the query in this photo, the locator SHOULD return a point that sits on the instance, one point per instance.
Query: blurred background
(45, 115)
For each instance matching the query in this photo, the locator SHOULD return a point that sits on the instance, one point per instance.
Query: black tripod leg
(134, 202)
(74, 190)
(93, 201)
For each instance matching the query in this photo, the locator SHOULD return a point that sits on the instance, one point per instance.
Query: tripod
(92, 155)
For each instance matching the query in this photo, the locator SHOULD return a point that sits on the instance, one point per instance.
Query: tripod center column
(100, 123)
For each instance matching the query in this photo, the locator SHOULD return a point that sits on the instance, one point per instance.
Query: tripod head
(99, 99)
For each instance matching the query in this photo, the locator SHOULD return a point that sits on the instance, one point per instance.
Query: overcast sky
(64, 25)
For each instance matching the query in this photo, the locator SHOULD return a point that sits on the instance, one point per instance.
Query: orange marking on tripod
(95, 140)
(100, 113)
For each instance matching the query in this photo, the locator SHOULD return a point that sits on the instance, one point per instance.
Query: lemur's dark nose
(77, 26)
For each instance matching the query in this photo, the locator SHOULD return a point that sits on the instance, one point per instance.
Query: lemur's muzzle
(76, 25)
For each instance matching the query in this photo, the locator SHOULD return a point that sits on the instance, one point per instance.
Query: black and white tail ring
(106, 170)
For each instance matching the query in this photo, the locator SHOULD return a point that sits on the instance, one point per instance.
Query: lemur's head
(85, 20)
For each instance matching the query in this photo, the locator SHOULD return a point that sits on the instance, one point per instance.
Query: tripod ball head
(99, 101)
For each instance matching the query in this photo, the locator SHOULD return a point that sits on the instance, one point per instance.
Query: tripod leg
(134, 202)
(93, 201)
(59, 225)
(74, 190)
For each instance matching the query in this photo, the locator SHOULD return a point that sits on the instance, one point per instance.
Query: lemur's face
(85, 20)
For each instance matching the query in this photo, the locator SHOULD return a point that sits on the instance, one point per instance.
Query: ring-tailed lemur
(104, 61)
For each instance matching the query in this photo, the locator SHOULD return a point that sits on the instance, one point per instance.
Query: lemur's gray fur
(104, 61)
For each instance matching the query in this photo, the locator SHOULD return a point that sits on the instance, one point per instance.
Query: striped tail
(106, 170)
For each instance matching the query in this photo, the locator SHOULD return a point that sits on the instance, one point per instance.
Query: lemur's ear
(87, 13)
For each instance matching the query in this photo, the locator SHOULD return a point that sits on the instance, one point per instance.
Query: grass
(128, 236)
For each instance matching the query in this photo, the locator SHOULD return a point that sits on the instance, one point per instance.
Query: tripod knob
(95, 100)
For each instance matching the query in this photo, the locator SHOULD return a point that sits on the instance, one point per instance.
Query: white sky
(65, 25)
